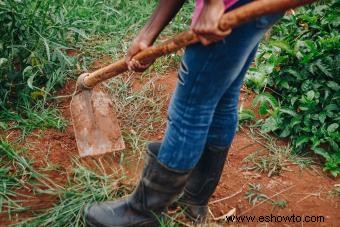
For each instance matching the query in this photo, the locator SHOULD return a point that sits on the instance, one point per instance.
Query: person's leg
(207, 173)
(206, 73)
(158, 187)
(223, 127)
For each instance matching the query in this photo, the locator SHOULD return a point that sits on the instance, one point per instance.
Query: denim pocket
(267, 21)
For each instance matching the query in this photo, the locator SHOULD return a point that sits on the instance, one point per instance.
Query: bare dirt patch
(306, 191)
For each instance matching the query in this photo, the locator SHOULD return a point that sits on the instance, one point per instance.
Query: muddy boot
(203, 182)
(158, 187)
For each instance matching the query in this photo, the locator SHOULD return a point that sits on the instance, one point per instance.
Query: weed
(140, 110)
(245, 115)
(31, 118)
(278, 158)
(272, 164)
(335, 192)
(167, 221)
(254, 194)
(280, 203)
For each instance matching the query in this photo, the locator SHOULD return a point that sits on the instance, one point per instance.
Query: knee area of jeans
(190, 119)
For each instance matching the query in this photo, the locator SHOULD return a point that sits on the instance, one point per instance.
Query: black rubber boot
(203, 182)
(158, 187)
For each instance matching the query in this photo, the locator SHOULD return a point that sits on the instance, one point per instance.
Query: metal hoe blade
(95, 124)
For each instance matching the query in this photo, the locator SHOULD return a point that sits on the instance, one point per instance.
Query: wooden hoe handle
(228, 21)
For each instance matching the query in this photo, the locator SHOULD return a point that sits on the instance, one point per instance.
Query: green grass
(140, 111)
(273, 159)
(15, 172)
(31, 118)
(34, 60)
(280, 204)
(84, 186)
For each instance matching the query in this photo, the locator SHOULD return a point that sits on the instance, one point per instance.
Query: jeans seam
(192, 87)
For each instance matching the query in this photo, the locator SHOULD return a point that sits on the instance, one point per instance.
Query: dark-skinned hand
(206, 26)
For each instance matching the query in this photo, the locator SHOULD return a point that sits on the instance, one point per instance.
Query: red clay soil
(306, 191)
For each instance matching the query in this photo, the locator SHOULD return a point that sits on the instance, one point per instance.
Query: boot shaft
(159, 185)
(205, 176)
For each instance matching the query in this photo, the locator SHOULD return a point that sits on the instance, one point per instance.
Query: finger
(134, 65)
(214, 39)
(128, 58)
(209, 38)
(129, 66)
(140, 67)
(131, 51)
(217, 35)
(223, 33)
(204, 40)
(203, 32)
(137, 66)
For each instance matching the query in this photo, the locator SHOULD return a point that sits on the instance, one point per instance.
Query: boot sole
(145, 224)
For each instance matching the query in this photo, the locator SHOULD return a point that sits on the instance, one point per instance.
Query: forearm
(162, 15)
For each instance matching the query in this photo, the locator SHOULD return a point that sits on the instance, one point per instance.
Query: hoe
(95, 124)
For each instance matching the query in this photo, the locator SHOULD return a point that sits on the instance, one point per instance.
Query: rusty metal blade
(95, 123)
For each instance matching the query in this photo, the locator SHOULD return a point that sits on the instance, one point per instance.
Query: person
(186, 166)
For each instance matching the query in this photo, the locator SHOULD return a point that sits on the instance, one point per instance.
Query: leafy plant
(266, 102)
(300, 67)
(280, 203)
(31, 50)
(245, 114)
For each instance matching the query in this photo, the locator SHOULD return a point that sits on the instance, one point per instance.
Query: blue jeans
(203, 109)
